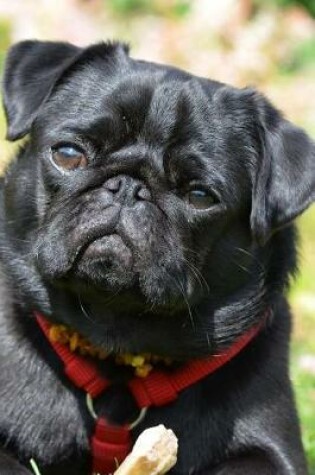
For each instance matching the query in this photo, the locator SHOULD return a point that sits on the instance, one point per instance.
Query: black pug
(150, 211)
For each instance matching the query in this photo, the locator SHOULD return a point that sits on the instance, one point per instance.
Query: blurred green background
(266, 43)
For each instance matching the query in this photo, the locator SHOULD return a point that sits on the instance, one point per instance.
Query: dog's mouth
(112, 262)
(106, 259)
(107, 249)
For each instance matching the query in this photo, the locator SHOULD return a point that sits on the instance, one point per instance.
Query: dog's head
(145, 200)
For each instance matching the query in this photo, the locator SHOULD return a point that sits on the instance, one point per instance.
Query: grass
(302, 298)
(177, 9)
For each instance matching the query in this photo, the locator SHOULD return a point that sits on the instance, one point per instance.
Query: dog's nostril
(128, 188)
(113, 184)
(142, 193)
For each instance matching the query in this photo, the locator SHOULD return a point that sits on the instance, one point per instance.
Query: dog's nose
(113, 184)
(127, 189)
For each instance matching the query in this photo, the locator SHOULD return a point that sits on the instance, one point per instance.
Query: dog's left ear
(284, 184)
(31, 70)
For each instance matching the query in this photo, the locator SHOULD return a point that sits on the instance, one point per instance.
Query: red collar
(111, 444)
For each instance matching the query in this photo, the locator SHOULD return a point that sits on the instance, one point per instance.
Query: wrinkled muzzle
(114, 238)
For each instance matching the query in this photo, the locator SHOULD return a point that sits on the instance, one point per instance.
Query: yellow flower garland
(142, 364)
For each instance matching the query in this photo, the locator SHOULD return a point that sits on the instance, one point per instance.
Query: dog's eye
(69, 157)
(200, 199)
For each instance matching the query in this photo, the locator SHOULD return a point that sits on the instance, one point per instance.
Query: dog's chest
(37, 413)
(45, 418)
(48, 422)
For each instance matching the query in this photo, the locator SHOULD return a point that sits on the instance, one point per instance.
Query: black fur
(151, 273)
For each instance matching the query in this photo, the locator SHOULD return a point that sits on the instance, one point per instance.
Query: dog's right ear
(31, 71)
